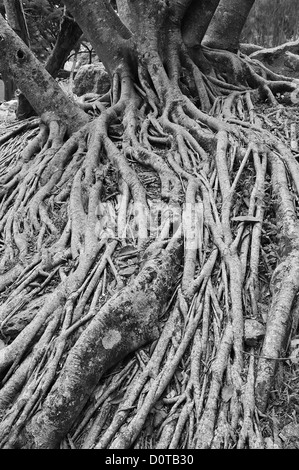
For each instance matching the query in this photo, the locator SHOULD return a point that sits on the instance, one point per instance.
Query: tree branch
(42, 91)
(16, 18)
(68, 36)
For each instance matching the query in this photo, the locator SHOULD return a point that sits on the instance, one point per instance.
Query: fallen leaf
(118, 398)
(127, 250)
(159, 405)
(227, 392)
(179, 375)
(128, 271)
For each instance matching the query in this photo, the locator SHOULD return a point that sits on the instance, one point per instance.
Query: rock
(8, 111)
(254, 331)
(91, 78)
(292, 61)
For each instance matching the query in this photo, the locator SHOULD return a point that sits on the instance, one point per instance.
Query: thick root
(139, 244)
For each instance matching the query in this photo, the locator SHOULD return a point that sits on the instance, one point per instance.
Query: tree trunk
(9, 88)
(197, 20)
(227, 24)
(130, 246)
(41, 90)
(16, 19)
(100, 23)
(68, 36)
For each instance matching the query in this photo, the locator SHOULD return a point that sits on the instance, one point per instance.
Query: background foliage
(43, 19)
(272, 22)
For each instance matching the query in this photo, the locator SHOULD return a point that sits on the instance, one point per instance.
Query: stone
(292, 61)
(8, 111)
(91, 78)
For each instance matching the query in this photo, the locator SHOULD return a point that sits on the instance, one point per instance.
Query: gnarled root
(147, 226)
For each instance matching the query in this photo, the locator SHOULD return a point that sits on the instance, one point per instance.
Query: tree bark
(100, 24)
(16, 19)
(105, 341)
(197, 20)
(81, 294)
(42, 91)
(124, 12)
(68, 36)
(227, 24)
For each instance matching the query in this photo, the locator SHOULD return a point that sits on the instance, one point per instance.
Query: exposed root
(271, 55)
(243, 72)
(141, 239)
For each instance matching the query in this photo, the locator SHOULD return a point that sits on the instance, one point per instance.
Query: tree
(132, 228)
(53, 34)
(67, 38)
(15, 16)
(43, 20)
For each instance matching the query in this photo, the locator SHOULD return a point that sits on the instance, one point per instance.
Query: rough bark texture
(100, 23)
(227, 24)
(68, 36)
(41, 90)
(126, 322)
(133, 251)
(197, 20)
(16, 19)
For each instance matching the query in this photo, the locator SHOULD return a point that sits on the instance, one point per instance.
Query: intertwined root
(92, 231)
